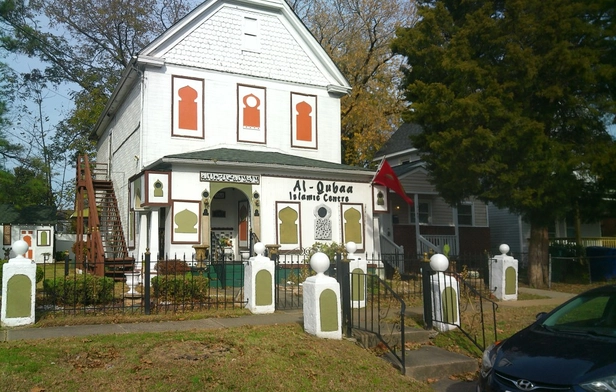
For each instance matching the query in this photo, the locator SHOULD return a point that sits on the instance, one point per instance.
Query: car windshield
(593, 314)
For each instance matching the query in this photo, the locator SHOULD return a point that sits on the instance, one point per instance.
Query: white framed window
(465, 214)
(425, 213)
(250, 37)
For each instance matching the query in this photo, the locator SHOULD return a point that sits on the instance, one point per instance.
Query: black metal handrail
(465, 307)
(382, 314)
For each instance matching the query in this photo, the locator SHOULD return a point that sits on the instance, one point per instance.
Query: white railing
(392, 254)
(606, 242)
(437, 242)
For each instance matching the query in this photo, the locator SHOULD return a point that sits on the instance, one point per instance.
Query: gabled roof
(408, 167)
(196, 43)
(256, 158)
(210, 37)
(399, 142)
(31, 215)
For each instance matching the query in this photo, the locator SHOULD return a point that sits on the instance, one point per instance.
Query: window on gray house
(465, 215)
(424, 213)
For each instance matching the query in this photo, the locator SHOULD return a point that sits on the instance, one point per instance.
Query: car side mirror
(541, 316)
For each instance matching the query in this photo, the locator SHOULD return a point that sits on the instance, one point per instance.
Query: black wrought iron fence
(376, 312)
(174, 285)
(292, 269)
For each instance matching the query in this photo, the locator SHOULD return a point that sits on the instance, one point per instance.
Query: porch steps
(426, 362)
(434, 363)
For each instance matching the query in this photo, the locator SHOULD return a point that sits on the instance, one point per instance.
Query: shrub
(60, 256)
(303, 273)
(330, 249)
(172, 267)
(566, 250)
(40, 273)
(79, 289)
(180, 288)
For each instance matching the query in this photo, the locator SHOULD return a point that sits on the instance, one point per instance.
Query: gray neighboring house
(511, 229)
(464, 229)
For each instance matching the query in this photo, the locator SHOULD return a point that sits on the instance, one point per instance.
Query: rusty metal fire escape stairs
(104, 251)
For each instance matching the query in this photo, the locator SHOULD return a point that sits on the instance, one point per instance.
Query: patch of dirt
(188, 351)
(93, 359)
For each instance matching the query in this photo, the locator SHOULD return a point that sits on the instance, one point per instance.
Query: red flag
(385, 176)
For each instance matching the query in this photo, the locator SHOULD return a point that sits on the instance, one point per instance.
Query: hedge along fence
(79, 289)
(176, 283)
(181, 288)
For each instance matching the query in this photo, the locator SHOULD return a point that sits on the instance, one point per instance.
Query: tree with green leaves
(515, 98)
(24, 187)
(108, 34)
(357, 35)
(8, 150)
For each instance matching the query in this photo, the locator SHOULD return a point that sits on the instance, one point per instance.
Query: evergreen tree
(514, 98)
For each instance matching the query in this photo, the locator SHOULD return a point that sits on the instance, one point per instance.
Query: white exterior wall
(283, 50)
(209, 45)
(281, 190)
(124, 148)
(221, 116)
(102, 148)
(187, 187)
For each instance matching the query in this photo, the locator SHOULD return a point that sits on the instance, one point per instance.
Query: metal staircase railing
(379, 314)
(89, 254)
(104, 251)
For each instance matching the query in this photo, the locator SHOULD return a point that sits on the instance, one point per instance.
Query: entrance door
(230, 223)
(243, 213)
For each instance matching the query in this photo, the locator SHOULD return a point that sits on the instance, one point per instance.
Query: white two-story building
(227, 128)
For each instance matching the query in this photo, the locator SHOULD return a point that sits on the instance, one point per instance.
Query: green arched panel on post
(449, 302)
(263, 288)
(510, 281)
(328, 308)
(358, 285)
(19, 297)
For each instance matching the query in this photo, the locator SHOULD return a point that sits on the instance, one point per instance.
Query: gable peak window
(250, 35)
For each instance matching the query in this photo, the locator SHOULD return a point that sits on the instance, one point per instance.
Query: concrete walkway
(552, 298)
(32, 333)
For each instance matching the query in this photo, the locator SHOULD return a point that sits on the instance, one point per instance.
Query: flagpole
(377, 170)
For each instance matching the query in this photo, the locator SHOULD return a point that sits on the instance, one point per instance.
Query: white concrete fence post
(18, 288)
(445, 295)
(259, 282)
(358, 268)
(322, 307)
(504, 275)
